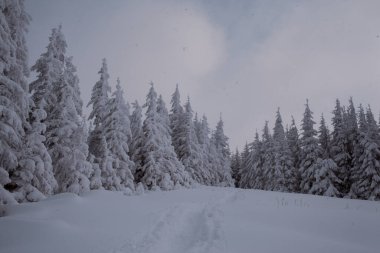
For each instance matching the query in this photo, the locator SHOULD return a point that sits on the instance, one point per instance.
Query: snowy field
(192, 220)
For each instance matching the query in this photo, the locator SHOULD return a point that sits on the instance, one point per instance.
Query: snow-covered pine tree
(292, 137)
(135, 149)
(284, 171)
(161, 167)
(99, 100)
(176, 123)
(14, 101)
(367, 179)
(66, 134)
(267, 152)
(339, 152)
(220, 140)
(245, 168)
(310, 151)
(208, 152)
(97, 140)
(235, 167)
(35, 170)
(116, 129)
(189, 150)
(49, 68)
(251, 165)
(325, 176)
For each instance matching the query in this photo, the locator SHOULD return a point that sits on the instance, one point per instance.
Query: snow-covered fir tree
(14, 101)
(189, 150)
(99, 100)
(245, 168)
(325, 176)
(339, 150)
(35, 171)
(208, 152)
(176, 123)
(97, 140)
(284, 172)
(220, 141)
(292, 137)
(268, 181)
(161, 167)
(310, 151)
(49, 68)
(367, 176)
(136, 144)
(117, 131)
(66, 135)
(236, 166)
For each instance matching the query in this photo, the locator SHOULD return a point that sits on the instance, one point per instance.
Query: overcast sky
(243, 58)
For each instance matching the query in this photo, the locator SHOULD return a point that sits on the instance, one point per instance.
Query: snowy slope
(192, 220)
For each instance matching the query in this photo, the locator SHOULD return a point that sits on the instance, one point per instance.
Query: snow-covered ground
(205, 219)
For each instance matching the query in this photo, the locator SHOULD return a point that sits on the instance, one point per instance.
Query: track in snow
(185, 228)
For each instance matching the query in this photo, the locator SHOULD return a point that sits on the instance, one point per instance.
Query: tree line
(48, 147)
(342, 163)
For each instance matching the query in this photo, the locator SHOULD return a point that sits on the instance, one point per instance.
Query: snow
(204, 219)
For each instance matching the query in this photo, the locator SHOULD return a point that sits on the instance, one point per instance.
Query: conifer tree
(66, 136)
(189, 150)
(310, 151)
(284, 171)
(245, 168)
(161, 167)
(176, 122)
(97, 140)
(135, 149)
(99, 100)
(339, 150)
(325, 175)
(220, 140)
(14, 102)
(49, 67)
(292, 137)
(235, 167)
(367, 176)
(35, 170)
(208, 152)
(117, 132)
(268, 181)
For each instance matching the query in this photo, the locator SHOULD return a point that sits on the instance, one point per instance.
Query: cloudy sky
(241, 58)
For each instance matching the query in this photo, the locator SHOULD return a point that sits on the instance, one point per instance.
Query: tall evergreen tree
(66, 137)
(268, 182)
(14, 102)
(117, 132)
(35, 171)
(99, 100)
(49, 67)
(339, 146)
(135, 149)
(292, 137)
(220, 140)
(245, 168)
(325, 175)
(97, 140)
(324, 139)
(235, 167)
(161, 167)
(310, 151)
(176, 122)
(189, 150)
(284, 171)
(367, 178)
(208, 152)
